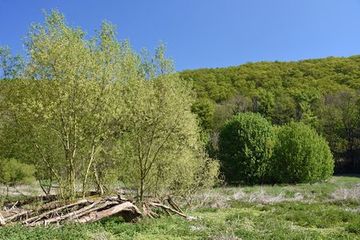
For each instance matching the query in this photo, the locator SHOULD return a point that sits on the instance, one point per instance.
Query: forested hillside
(323, 93)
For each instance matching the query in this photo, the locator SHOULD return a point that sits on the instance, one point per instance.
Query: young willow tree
(91, 108)
(71, 98)
(161, 148)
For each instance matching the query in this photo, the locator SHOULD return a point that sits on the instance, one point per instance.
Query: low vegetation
(303, 211)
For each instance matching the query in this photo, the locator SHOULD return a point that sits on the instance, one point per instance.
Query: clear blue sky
(206, 33)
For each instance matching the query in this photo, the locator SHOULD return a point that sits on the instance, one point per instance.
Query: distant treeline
(323, 93)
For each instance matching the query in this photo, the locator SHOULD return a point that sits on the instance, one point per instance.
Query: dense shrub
(300, 155)
(245, 147)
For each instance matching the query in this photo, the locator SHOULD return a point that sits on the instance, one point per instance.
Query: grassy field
(328, 210)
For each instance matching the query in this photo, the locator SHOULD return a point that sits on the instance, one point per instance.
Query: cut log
(17, 216)
(56, 210)
(94, 209)
(63, 217)
(2, 220)
(84, 211)
(127, 209)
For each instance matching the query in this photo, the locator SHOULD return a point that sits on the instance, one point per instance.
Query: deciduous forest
(322, 93)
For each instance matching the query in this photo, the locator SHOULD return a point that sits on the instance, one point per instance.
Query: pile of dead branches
(86, 210)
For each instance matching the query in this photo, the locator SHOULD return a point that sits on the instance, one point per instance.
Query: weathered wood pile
(85, 211)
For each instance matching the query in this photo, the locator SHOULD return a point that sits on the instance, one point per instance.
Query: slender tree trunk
(141, 195)
(72, 179)
(92, 157)
(61, 190)
(100, 187)
(70, 156)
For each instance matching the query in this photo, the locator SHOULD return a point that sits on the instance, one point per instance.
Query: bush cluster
(246, 144)
(300, 155)
(251, 151)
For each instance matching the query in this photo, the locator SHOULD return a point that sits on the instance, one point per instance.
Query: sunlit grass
(316, 216)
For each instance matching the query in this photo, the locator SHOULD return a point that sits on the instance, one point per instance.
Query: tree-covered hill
(321, 92)
(326, 75)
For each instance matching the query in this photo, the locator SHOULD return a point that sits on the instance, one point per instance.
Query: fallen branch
(17, 216)
(88, 211)
(63, 217)
(154, 204)
(147, 212)
(115, 210)
(2, 220)
(13, 206)
(174, 205)
(84, 211)
(41, 216)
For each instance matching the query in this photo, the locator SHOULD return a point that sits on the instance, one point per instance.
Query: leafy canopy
(300, 155)
(245, 148)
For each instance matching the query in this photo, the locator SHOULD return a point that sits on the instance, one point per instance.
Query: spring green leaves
(252, 151)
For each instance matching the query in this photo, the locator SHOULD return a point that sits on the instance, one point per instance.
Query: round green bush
(245, 147)
(300, 155)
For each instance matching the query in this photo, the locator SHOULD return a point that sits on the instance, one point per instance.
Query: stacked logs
(86, 211)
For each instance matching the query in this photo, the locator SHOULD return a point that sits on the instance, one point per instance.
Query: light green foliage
(13, 172)
(245, 148)
(88, 109)
(12, 66)
(204, 108)
(300, 155)
(307, 100)
(161, 149)
(264, 102)
(311, 91)
(71, 97)
(248, 154)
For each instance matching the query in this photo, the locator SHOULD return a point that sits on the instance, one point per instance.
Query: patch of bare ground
(221, 199)
(345, 194)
